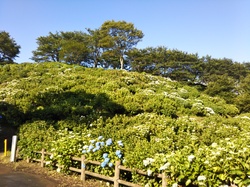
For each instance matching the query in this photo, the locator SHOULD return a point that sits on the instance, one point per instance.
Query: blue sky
(219, 28)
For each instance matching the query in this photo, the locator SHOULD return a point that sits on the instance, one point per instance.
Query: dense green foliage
(173, 112)
(148, 122)
(106, 46)
(113, 46)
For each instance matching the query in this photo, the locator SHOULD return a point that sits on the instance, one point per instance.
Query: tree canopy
(94, 46)
(175, 64)
(106, 46)
(9, 49)
(68, 47)
(117, 38)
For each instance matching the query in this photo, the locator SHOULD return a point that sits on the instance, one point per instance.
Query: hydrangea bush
(214, 165)
(106, 151)
(162, 125)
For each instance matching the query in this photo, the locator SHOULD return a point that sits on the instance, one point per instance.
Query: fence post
(13, 148)
(17, 153)
(42, 158)
(83, 169)
(164, 182)
(117, 173)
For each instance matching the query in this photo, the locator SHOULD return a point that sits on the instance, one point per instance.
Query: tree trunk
(95, 63)
(122, 62)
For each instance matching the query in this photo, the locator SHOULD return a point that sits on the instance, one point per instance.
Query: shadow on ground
(10, 178)
(6, 132)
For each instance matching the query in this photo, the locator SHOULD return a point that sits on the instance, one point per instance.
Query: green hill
(55, 91)
(62, 107)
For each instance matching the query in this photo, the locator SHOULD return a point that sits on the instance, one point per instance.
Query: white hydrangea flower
(149, 172)
(182, 90)
(85, 147)
(206, 162)
(214, 144)
(145, 162)
(165, 166)
(246, 117)
(217, 153)
(210, 110)
(148, 161)
(190, 158)
(175, 185)
(201, 178)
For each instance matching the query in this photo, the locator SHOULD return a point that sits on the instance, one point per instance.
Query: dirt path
(10, 178)
(23, 174)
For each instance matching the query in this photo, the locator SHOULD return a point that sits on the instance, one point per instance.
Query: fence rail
(115, 179)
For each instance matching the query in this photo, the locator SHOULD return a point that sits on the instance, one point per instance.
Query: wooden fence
(115, 179)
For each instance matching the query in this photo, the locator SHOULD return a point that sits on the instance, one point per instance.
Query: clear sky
(219, 28)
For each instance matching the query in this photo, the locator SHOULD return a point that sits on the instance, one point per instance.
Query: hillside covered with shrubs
(148, 122)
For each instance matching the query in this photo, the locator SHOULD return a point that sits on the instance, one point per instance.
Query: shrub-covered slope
(55, 91)
(162, 124)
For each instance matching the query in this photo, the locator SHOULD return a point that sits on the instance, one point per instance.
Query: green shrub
(157, 120)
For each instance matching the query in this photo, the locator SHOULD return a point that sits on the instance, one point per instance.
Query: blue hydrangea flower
(97, 144)
(105, 155)
(106, 160)
(103, 164)
(102, 144)
(119, 156)
(98, 147)
(111, 164)
(117, 152)
(84, 151)
(91, 147)
(109, 142)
